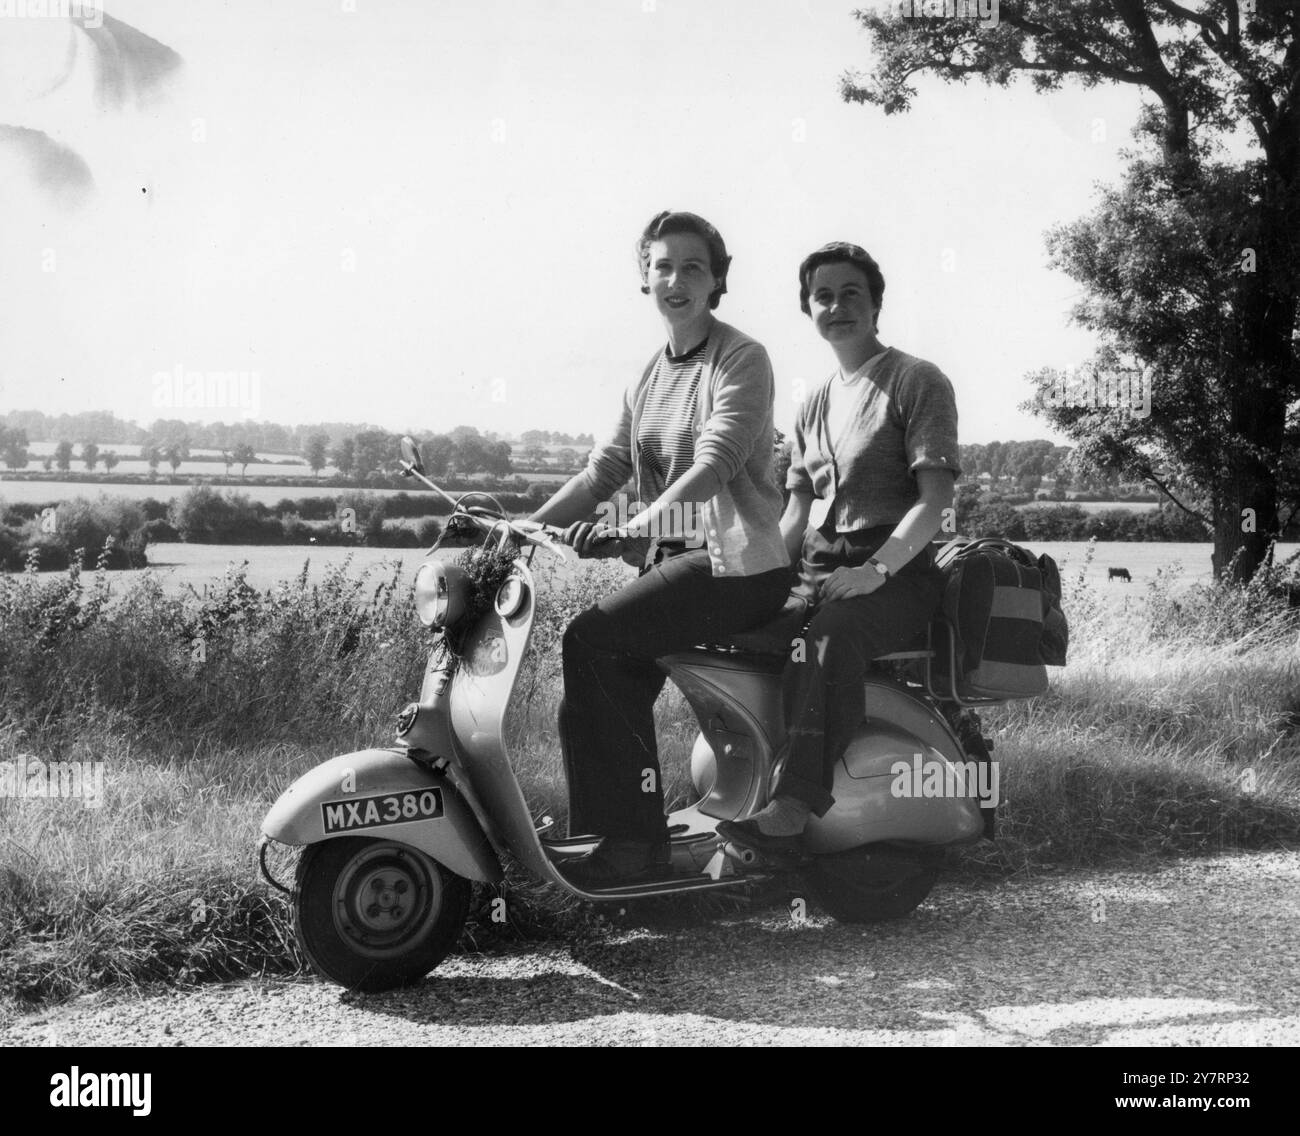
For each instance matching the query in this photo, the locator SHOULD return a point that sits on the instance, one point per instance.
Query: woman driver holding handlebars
(695, 436)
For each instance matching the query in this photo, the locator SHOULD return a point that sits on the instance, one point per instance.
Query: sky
(423, 214)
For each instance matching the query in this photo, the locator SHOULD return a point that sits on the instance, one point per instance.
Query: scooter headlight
(441, 591)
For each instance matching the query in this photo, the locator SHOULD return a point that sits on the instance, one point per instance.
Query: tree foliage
(1192, 265)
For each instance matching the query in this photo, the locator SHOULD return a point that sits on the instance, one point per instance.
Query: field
(42, 492)
(180, 565)
(132, 462)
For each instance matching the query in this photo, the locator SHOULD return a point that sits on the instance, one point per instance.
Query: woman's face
(679, 277)
(839, 302)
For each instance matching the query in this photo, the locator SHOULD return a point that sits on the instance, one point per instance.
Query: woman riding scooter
(695, 435)
(872, 469)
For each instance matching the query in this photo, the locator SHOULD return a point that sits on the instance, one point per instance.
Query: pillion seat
(774, 638)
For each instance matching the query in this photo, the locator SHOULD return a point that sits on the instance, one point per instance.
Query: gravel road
(1198, 953)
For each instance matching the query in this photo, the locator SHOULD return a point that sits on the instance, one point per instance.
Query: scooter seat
(775, 637)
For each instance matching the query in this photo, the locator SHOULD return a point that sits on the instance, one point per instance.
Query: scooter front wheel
(374, 915)
(868, 884)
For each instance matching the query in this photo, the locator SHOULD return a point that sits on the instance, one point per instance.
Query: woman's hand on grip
(592, 541)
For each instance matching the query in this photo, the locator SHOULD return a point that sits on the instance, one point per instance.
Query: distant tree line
(364, 452)
(555, 438)
(357, 452)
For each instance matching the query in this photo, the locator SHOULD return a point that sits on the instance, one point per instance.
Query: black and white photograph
(650, 523)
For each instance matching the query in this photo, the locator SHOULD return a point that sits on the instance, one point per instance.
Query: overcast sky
(423, 213)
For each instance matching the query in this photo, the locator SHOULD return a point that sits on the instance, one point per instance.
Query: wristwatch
(876, 566)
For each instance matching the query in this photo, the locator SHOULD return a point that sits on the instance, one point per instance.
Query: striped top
(665, 437)
(733, 440)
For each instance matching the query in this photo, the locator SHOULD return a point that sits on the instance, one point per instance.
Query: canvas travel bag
(1004, 608)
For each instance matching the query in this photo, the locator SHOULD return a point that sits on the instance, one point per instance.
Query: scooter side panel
(872, 797)
(372, 793)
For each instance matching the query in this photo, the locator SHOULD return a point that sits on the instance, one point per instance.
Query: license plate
(374, 812)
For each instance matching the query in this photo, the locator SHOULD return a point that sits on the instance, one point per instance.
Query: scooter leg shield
(382, 793)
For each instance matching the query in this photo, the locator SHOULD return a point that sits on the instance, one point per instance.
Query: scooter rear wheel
(374, 915)
(869, 884)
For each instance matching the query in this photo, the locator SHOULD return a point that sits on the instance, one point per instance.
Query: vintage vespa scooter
(395, 836)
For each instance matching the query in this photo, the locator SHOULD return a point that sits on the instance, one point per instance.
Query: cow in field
(1118, 574)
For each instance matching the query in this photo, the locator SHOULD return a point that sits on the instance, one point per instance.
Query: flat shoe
(748, 833)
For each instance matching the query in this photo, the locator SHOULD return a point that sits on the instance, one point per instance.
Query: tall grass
(1175, 729)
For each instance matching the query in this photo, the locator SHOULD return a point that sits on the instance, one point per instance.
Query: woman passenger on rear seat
(872, 469)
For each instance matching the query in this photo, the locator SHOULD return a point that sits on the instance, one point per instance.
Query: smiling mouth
(677, 301)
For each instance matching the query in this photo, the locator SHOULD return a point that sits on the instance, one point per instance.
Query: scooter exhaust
(740, 854)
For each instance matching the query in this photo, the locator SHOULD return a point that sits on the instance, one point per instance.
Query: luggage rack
(939, 633)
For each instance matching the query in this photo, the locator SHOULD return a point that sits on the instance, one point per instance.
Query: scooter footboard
(383, 794)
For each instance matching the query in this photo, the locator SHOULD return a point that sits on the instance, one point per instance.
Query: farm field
(179, 566)
(127, 450)
(131, 462)
(1141, 559)
(41, 492)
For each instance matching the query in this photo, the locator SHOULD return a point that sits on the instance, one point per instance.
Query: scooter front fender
(382, 793)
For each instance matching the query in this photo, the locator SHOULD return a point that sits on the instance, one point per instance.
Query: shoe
(748, 833)
(616, 862)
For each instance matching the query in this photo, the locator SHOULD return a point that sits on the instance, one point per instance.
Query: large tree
(373, 451)
(243, 454)
(1192, 267)
(316, 452)
(13, 447)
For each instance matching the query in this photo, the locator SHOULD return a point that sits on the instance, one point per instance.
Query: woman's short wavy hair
(664, 224)
(841, 252)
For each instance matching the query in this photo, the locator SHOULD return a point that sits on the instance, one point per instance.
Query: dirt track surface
(1201, 953)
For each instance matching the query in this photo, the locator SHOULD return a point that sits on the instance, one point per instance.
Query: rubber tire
(336, 952)
(870, 884)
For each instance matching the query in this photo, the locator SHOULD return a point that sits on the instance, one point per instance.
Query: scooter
(394, 837)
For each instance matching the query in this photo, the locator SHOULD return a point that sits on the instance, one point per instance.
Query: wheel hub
(383, 899)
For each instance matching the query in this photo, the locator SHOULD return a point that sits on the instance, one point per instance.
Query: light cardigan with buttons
(733, 437)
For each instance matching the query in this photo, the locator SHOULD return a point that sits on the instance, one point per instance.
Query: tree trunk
(1245, 522)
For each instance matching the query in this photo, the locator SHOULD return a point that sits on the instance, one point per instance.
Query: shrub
(48, 551)
(204, 516)
(395, 534)
(153, 509)
(160, 531)
(17, 514)
(88, 526)
(12, 548)
(996, 518)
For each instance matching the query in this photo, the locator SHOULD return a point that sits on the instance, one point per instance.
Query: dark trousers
(822, 687)
(611, 681)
